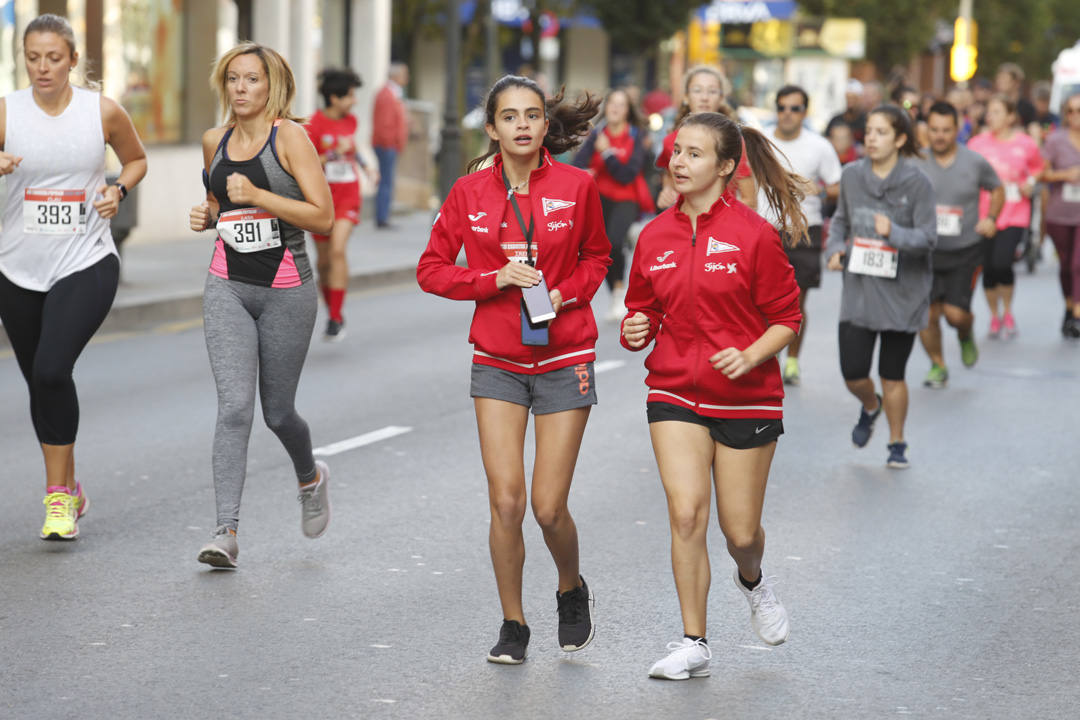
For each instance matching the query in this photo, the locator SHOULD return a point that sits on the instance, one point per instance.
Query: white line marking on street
(755, 647)
(605, 365)
(385, 701)
(360, 440)
(1002, 547)
(793, 557)
(380, 647)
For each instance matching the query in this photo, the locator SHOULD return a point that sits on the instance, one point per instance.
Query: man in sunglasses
(813, 157)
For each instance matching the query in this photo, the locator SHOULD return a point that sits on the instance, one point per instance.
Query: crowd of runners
(910, 200)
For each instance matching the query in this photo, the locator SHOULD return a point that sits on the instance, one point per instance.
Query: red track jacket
(721, 287)
(574, 255)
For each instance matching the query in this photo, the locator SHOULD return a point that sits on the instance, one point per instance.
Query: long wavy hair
(568, 122)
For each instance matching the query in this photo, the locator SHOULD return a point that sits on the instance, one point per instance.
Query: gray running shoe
(315, 504)
(222, 551)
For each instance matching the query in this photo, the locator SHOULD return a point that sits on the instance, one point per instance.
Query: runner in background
(881, 236)
(333, 133)
(808, 155)
(614, 153)
(704, 90)
(1015, 157)
(1062, 172)
(59, 267)
(958, 175)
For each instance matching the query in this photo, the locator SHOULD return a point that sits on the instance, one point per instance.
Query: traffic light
(962, 57)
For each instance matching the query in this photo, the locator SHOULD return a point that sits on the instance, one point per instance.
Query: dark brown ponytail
(568, 122)
(784, 190)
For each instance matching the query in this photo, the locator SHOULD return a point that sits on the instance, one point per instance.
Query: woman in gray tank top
(58, 265)
(265, 186)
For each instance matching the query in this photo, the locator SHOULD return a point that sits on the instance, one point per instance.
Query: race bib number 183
(873, 257)
(54, 212)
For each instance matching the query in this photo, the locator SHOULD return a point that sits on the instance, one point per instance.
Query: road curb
(144, 314)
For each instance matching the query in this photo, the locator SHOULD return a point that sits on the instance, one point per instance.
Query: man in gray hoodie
(882, 237)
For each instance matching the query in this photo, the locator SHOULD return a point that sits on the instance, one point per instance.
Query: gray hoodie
(906, 197)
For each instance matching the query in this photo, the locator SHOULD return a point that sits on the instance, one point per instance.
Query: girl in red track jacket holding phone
(522, 220)
(712, 286)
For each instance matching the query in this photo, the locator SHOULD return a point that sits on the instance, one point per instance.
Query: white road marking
(380, 647)
(793, 557)
(605, 365)
(360, 440)
(755, 647)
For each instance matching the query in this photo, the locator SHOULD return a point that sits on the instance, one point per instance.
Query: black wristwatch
(122, 189)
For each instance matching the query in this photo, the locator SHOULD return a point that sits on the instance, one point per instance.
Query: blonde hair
(279, 77)
(721, 80)
(49, 23)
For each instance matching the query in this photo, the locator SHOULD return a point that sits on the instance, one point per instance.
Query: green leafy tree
(640, 25)
(895, 31)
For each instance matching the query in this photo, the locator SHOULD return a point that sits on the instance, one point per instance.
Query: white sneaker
(688, 658)
(618, 308)
(767, 613)
(315, 504)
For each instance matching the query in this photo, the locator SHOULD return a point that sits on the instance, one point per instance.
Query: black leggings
(618, 217)
(999, 254)
(857, 352)
(48, 331)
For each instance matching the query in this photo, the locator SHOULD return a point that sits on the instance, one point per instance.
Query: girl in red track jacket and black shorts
(522, 217)
(711, 284)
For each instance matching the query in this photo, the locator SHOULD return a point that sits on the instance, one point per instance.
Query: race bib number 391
(249, 230)
(54, 212)
(873, 257)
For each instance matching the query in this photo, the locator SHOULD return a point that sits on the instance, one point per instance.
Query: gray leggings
(254, 331)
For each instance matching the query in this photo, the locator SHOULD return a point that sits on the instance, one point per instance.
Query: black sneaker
(575, 617)
(865, 427)
(1071, 330)
(335, 331)
(513, 640)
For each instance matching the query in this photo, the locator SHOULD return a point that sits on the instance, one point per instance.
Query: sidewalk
(162, 282)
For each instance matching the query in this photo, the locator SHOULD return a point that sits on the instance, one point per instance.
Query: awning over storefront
(746, 11)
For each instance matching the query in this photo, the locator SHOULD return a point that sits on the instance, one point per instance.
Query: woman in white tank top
(58, 265)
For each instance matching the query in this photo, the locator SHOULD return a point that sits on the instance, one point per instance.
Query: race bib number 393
(249, 230)
(873, 257)
(54, 212)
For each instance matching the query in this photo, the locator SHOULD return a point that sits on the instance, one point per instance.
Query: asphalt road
(948, 590)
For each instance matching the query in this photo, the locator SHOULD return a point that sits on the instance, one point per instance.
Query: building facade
(155, 57)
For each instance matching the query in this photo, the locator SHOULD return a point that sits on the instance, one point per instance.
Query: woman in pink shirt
(1016, 159)
(1062, 152)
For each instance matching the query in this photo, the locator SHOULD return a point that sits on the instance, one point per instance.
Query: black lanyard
(521, 220)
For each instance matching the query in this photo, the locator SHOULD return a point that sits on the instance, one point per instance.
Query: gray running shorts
(567, 388)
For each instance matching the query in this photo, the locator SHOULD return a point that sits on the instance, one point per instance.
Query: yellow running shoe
(60, 518)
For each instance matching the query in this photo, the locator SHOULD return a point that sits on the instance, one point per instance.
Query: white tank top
(50, 228)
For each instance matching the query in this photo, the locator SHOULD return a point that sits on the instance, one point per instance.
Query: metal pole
(494, 62)
(965, 13)
(450, 150)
